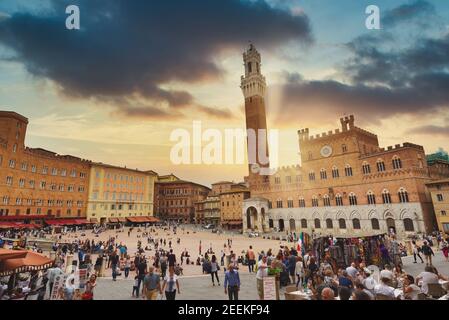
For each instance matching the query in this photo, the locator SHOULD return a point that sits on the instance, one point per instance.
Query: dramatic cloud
(381, 79)
(431, 130)
(135, 49)
(417, 11)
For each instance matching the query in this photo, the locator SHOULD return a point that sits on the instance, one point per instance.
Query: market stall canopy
(11, 254)
(121, 220)
(67, 222)
(30, 262)
(142, 219)
(27, 217)
(17, 225)
(113, 220)
(93, 220)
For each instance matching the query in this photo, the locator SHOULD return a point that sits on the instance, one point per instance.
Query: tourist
(416, 249)
(171, 260)
(383, 288)
(369, 282)
(214, 267)
(360, 295)
(291, 263)
(98, 264)
(163, 264)
(360, 287)
(445, 249)
(345, 281)
(232, 283)
(327, 294)
(114, 265)
(299, 271)
(387, 274)
(251, 259)
(428, 253)
(90, 286)
(151, 285)
(410, 289)
(344, 293)
(262, 272)
(171, 284)
(352, 271)
(135, 292)
(127, 266)
(141, 271)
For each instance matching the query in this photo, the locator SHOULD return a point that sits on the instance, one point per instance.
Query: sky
(116, 89)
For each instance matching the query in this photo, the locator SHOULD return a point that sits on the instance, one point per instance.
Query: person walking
(445, 249)
(141, 271)
(127, 266)
(171, 284)
(299, 271)
(214, 270)
(251, 259)
(428, 253)
(114, 265)
(232, 283)
(163, 263)
(171, 260)
(262, 272)
(151, 285)
(416, 249)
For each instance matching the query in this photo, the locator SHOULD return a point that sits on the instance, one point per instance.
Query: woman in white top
(410, 289)
(427, 277)
(299, 271)
(171, 285)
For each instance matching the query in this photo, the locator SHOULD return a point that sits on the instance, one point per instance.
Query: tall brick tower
(253, 87)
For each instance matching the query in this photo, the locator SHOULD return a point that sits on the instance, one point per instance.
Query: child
(135, 287)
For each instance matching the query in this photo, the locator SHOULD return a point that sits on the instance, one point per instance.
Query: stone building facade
(231, 204)
(118, 193)
(439, 191)
(346, 185)
(36, 183)
(175, 199)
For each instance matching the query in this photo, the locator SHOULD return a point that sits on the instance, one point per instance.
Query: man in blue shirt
(232, 283)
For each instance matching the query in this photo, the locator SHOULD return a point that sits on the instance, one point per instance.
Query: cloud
(379, 80)
(136, 49)
(431, 130)
(418, 10)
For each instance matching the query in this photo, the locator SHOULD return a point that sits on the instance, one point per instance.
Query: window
(314, 202)
(317, 223)
(298, 179)
(303, 223)
(312, 176)
(380, 165)
(5, 200)
(326, 201)
(386, 197)
(24, 166)
(329, 224)
(82, 175)
(302, 203)
(9, 181)
(43, 184)
(32, 184)
(323, 174)
(352, 199)
(366, 169)
(338, 200)
(439, 197)
(344, 148)
(375, 224)
(403, 195)
(70, 188)
(22, 183)
(277, 180)
(335, 173)
(279, 204)
(290, 203)
(73, 173)
(288, 179)
(443, 212)
(342, 223)
(54, 171)
(12, 163)
(61, 188)
(371, 198)
(408, 225)
(397, 163)
(33, 168)
(356, 224)
(63, 172)
(348, 170)
(44, 170)
(81, 189)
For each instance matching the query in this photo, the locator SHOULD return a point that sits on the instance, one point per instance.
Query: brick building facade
(36, 182)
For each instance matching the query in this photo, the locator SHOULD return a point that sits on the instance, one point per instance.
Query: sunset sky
(113, 91)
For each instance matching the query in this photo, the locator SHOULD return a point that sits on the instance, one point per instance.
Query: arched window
(348, 170)
(311, 176)
(314, 201)
(397, 164)
(342, 223)
(290, 203)
(302, 203)
(366, 169)
(339, 200)
(356, 224)
(380, 165)
(375, 224)
(303, 223)
(386, 197)
(403, 195)
(344, 148)
(408, 225)
(326, 201)
(371, 197)
(270, 223)
(323, 174)
(335, 173)
(317, 223)
(279, 203)
(329, 224)
(352, 199)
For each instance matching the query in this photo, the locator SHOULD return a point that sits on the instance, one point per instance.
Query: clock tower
(253, 86)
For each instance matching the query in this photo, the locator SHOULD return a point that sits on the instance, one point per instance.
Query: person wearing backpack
(428, 253)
